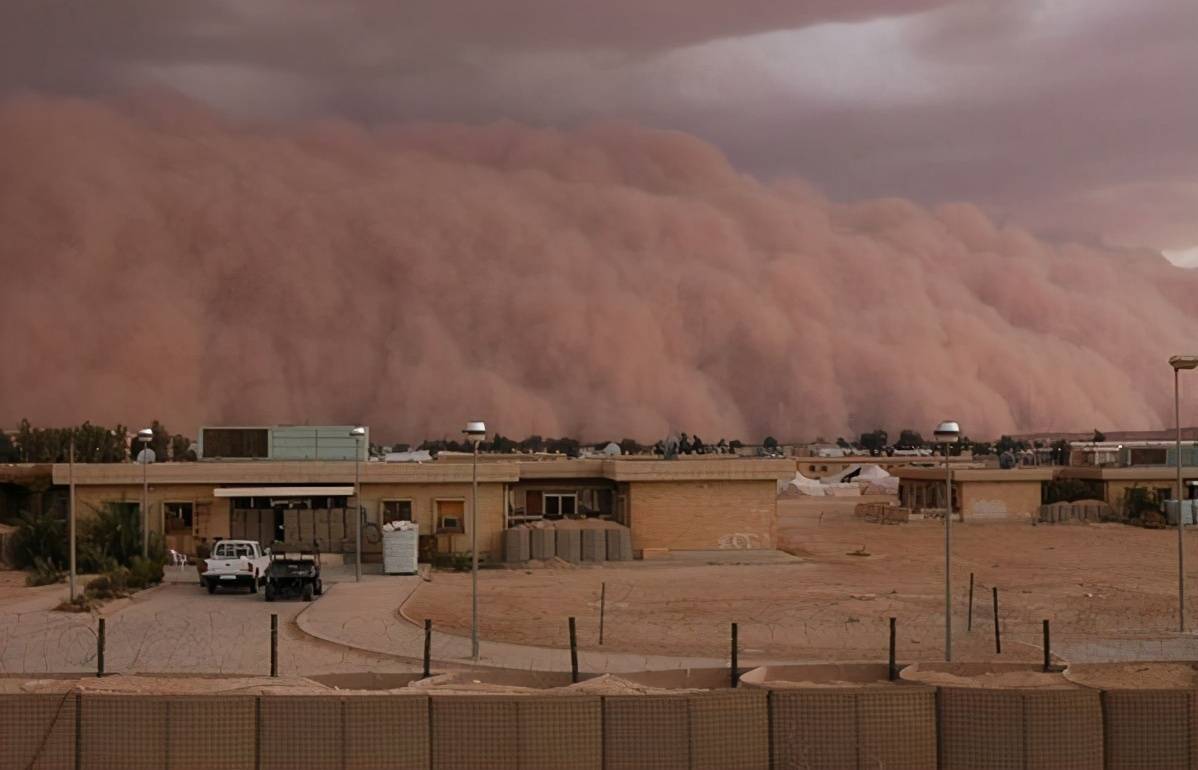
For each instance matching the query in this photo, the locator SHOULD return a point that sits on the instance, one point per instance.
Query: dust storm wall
(160, 261)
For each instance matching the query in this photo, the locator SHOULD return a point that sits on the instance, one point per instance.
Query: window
(233, 551)
(451, 515)
(558, 505)
(397, 510)
(179, 517)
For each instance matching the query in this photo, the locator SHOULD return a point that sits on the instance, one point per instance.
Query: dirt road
(1109, 591)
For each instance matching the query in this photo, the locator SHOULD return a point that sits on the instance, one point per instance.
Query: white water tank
(401, 548)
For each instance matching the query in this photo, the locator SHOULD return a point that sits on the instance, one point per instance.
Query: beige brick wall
(1116, 489)
(703, 515)
(424, 497)
(999, 499)
(213, 520)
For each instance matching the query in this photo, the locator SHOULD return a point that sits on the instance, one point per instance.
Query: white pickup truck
(235, 563)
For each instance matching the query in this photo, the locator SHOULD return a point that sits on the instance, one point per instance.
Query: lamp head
(1183, 362)
(947, 432)
(145, 435)
(358, 432)
(475, 431)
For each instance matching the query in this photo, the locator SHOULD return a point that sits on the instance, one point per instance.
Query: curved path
(369, 616)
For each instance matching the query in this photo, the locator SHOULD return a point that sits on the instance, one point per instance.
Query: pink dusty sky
(599, 219)
(1072, 117)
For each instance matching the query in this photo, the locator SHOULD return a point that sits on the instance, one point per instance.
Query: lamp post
(358, 433)
(1178, 363)
(948, 432)
(71, 514)
(145, 436)
(475, 432)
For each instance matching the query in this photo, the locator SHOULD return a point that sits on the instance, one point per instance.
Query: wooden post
(969, 620)
(100, 650)
(997, 633)
(1047, 649)
(573, 652)
(734, 671)
(602, 608)
(893, 671)
(274, 644)
(428, 647)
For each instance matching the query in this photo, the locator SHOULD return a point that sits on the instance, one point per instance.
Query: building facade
(678, 504)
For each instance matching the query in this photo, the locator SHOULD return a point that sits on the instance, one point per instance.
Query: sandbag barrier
(849, 725)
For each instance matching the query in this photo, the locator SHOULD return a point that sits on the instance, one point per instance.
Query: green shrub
(39, 536)
(44, 573)
(110, 585)
(144, 573)
(83, 602)
(113, 536)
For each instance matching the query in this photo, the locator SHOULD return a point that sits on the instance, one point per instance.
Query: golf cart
(292, 574)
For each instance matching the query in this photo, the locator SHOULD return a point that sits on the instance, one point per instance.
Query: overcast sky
(1077, 118)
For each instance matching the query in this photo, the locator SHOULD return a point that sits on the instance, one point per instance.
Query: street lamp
(71, 513)
(1178, 363)
(358, 433)
(475, 432)
(145, 436)
(948, 432)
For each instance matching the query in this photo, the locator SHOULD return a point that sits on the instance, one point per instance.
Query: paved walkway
(368, 616)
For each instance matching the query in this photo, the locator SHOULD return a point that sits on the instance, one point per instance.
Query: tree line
(93, 444)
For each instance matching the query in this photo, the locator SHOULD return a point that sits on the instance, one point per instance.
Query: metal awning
(283, 492)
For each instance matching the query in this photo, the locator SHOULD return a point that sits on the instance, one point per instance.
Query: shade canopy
(283, 492)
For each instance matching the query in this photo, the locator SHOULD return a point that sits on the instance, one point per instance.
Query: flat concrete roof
(1046, 473)
(304, 472)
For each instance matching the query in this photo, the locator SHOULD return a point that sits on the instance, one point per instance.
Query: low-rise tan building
(678, 504)
(995, 493)
(977, 493)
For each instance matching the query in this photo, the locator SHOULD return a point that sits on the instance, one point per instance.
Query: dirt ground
(1095, 583)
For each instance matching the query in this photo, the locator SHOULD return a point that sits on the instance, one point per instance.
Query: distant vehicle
(293, 574)
(235, 564)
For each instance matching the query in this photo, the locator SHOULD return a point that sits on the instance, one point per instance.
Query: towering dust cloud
(159, 262)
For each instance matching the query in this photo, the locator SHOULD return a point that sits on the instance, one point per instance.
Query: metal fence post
(602, 608)
(274, 644)
(997, 633)
(573, 652)
(734, 670)
(893, 669)
(100, 649)
(428, 647)
(1047, 649)
(969, 620)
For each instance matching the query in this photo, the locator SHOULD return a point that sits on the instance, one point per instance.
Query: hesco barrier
(831, 723)
(1013, 715)
(1151, 729)
(847, 716)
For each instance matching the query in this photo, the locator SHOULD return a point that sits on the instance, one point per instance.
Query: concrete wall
(211, 518)
(999, 499)
(424, 503)
(1116, 489)
(703, 515)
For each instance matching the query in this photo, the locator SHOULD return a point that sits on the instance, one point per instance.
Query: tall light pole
(358, 433)
(1178, 363)
(948, 432)
(145, 436)
(71, 513)
(475, 432)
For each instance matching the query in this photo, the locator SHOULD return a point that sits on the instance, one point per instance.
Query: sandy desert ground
(1106, 588)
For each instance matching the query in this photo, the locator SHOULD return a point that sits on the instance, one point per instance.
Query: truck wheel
(270, 592)
(211, 586)
(307, 592)
(319, 587)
